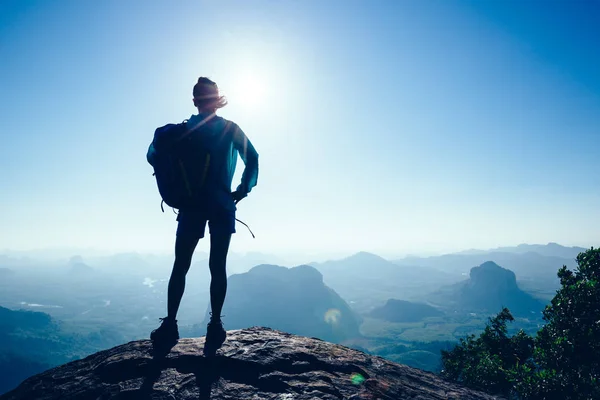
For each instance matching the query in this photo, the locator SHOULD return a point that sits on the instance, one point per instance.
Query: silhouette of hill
(292, 299)
(32, 341)
(489, 288)
(26, 339)
(254, 363)
(239, 263)
(405, 311)
(79, 268)
(24, 321)
(366, 280)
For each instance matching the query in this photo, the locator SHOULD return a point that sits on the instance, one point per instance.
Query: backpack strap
(243, 223)
(163, 208)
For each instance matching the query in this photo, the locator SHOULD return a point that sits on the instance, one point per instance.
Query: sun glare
(248, 91)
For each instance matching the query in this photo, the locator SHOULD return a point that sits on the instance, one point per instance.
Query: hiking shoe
(167, 332)
(215, 336)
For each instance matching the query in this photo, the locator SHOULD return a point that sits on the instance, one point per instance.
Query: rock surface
(255, 363)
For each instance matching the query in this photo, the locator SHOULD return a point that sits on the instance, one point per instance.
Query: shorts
(192, 223)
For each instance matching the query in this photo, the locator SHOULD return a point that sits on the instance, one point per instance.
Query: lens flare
(332, 316)
(357, 379)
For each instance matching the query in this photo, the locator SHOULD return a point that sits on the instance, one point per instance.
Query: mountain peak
(490, 265)
(490, 275)
(255, 363)
(365, 256)
(276, 271)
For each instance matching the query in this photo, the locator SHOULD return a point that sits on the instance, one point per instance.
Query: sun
(248, 90)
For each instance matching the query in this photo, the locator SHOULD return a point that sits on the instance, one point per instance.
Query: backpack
(182, 164)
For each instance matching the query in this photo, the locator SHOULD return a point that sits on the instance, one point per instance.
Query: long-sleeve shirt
(228, 141)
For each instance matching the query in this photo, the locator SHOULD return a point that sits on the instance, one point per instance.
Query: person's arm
(250, 158)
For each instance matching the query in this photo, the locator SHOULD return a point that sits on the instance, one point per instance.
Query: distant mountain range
(366, 280)
(550, 250)
(237, 260)
(294, 300)
(526, 265)
(488, 289)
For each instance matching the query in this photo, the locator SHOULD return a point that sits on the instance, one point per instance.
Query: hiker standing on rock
(194, 163)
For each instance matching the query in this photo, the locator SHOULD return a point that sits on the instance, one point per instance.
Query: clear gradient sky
(387, 126)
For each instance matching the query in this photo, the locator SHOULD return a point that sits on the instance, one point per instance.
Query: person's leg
(219, 247)
(184, 250)
(189, 231)
(222, 226)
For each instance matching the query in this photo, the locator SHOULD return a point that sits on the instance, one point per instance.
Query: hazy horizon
(389, 127)
(288, 259)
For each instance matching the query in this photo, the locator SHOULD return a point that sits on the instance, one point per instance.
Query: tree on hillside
(561, 362)
(487, 362)
(568, 346)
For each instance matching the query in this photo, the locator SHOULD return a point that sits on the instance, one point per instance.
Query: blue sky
(387, 126)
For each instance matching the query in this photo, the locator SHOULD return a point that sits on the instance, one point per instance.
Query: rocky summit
(255, 363)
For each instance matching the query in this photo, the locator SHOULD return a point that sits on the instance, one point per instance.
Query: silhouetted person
(217, 208)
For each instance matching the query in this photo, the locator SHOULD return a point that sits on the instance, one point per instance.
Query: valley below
(405, 310)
